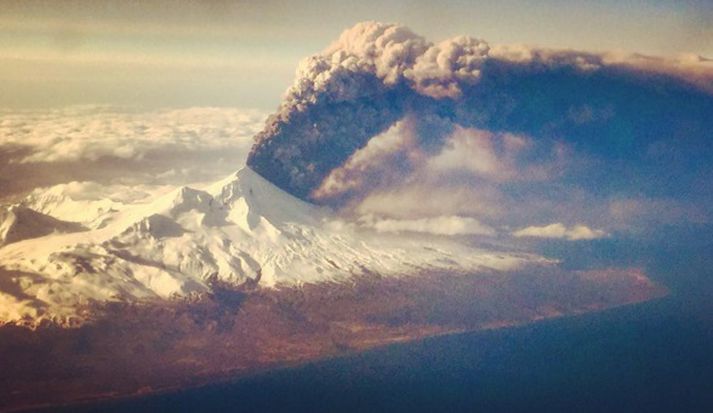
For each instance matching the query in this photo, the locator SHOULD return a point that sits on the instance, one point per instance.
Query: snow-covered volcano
(239, 230)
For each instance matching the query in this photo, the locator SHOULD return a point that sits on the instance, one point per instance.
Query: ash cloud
(383, 106)
(361, 85)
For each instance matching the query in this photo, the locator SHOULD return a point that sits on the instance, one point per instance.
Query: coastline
(351, 321)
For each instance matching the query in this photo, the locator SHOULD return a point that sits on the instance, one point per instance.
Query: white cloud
(92, 133)
(441, 225)
(559, 230)
(110, 145)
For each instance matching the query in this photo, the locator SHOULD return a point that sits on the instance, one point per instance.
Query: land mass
(134, 349)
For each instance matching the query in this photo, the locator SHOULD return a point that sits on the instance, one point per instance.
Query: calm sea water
(652, 357)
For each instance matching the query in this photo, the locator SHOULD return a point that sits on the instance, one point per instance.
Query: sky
(161, 54)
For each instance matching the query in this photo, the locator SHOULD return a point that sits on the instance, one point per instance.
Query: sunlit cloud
(115, 145)
(559, 230)
(93, 133)
(441, 225)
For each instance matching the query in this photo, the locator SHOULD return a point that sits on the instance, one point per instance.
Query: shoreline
(182, 346)
(236, 377)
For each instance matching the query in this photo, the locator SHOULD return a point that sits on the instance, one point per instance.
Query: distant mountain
(241, 230)
(88, 203)
(18, 223)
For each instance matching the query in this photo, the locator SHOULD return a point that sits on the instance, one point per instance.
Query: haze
(222, 53)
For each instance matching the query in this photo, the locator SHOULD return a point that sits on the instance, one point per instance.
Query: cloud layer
(118, 145)
(92, 133)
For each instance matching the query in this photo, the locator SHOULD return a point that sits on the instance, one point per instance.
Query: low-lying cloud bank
(92, 133)
(117, 145)
(385, 122)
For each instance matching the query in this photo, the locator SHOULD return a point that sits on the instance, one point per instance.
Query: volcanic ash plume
(356, 89)
(384, 82)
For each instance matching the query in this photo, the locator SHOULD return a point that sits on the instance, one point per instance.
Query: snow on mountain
(88, 203)
(239, 230)
(18, 223)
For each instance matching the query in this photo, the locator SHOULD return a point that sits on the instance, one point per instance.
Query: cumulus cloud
(559, 230)
(441, 225)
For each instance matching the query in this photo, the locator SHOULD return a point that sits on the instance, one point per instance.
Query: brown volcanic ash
(376, 74)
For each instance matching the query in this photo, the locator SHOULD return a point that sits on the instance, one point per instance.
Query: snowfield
(239, 230)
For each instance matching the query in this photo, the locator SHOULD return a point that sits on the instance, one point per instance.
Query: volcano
(242, 231)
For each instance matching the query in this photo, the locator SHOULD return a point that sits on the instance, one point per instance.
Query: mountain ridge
(239, 230)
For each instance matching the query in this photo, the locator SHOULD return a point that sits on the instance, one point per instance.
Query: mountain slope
(18, 223)
(239, 230)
